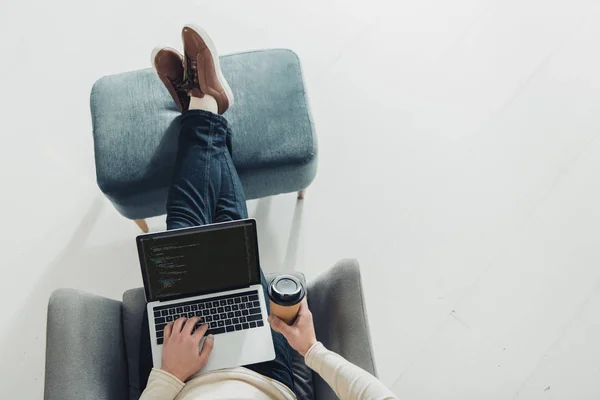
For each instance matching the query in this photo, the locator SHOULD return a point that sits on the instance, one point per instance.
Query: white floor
(459, 163)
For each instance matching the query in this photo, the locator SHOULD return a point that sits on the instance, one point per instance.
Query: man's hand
(180, 355)
(301, 336)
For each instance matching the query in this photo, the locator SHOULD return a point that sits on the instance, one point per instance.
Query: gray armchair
(92, 343)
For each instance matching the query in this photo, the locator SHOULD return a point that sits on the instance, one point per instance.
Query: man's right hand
(301, 336)
(180, 355)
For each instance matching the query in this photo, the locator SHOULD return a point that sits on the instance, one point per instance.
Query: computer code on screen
(198, 262)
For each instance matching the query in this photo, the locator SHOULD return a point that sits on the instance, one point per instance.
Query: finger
(177, 325)
(189, 325)
(168, 330)
(199, 334)
(303, 307)
(279, 326)
(206, 350)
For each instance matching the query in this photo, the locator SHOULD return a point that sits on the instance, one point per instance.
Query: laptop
(212, 272)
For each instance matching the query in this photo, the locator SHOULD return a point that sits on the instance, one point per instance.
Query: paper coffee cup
(285, 294)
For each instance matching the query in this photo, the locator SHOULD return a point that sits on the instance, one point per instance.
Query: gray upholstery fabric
(337, 303)
(135, 126)
(303, 382)
(84, 363)
(85, 352)
(134, 303)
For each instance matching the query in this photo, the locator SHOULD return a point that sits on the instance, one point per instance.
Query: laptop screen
(199, 260)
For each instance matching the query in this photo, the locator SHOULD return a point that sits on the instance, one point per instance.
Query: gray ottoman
(136, 122)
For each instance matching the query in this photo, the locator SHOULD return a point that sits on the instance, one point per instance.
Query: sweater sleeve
(346, 379)
(161, 386)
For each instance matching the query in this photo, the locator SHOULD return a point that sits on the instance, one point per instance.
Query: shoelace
(184, 85)
(191, 74)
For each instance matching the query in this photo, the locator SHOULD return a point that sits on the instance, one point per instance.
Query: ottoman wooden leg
(142, 224)
(301, 194)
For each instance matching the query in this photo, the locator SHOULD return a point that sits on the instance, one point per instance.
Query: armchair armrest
(85, 352)
(337, 303)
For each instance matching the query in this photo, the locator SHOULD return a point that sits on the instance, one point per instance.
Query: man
(206, 189)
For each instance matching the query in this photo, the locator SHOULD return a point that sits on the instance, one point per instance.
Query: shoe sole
(215, 55)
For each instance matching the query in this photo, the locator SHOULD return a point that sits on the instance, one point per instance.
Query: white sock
(206, 103)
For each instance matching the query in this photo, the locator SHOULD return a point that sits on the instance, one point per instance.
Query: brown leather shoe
(168, 64)
(202, 70)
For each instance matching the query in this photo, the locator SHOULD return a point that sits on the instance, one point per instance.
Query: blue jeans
(205, 189)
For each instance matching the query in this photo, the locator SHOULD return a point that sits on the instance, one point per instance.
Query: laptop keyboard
(234, 312)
